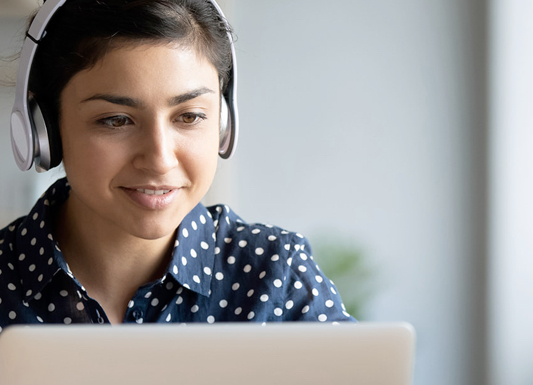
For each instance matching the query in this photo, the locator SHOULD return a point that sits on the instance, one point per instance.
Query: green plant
(346, 265)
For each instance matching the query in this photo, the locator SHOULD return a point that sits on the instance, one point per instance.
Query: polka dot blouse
(222, 270)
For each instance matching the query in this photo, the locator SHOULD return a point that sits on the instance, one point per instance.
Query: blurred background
(397, 136)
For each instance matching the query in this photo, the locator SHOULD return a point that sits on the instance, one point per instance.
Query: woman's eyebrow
(189, 95)
(131, 102)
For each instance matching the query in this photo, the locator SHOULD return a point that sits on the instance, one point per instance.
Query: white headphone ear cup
(43, 153)
(225, 127)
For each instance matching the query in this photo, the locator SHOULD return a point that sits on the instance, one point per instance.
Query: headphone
(32, 139)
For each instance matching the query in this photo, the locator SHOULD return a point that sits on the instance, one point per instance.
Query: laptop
(236, 353)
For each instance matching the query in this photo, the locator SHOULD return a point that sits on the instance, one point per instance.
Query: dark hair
(81, 32)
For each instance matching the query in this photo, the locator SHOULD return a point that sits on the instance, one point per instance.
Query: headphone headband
(29, 133)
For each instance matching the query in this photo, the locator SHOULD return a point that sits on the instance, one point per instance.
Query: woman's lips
(154, 198)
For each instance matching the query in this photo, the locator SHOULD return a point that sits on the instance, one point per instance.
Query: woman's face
(140, 134)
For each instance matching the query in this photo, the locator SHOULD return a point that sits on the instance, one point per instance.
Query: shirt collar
(194, 251)
(39, 257)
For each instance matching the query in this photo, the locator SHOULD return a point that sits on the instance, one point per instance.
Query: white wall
(511, 273)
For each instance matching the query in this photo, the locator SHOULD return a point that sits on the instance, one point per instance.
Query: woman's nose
(157, 151)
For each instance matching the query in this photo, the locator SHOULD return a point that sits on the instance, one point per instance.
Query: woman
(131, 92)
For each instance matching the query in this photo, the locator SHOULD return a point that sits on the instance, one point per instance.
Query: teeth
(153, 192)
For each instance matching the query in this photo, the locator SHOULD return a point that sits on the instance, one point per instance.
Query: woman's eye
(116, 121)
(192, 118)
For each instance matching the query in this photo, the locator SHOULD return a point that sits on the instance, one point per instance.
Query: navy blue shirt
(222, 270)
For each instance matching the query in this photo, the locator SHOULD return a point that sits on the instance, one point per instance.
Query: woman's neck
(110, 263)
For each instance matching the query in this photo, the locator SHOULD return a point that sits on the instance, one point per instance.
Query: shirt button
(138, 315)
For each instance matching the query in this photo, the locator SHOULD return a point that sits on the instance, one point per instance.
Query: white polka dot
(168, 318)
(333, 291)
(194, 225)
(223, 303)
(80, 306)
(235, 286)
(238, 311)
(154, 302)
(35, 216)
(148, 295)
(278, 283)
(184, 261)
(297, 247)
(278, 311)
(22, 257)
(41, 225)
(202, 219)
(219, 276)
(247, 268)
(185, 233)
(251, 315)
(41, 251)
(227, 240)
(175, 271)
(194, 309)
(40, 278)
(250, 293)
(262, 275)
(264, 298)
(204, 245)
(63, 293)
(289, 305)
(179, 301)
(217, 250)
(275, 258)
(28, 293)
(243, 243)
(67, 321)
(207, 270)
(239, 229)
(193, 253)
(319, 279)
(32, 267)
(302, 268)
(38, 296)
(210, 319)
(329, 303)
(272, 238)
(315, 292)
(259, 251)
(12, 315)
(23, 232)
(33, 241)
(50, 261)
(298, 285)
(11, 287)
(287, 247)
(51, 307)
(303, 256)
(256, 231)
(322, 318)
(196, 279)
(231, 260)
(305, 309)
(289, 261)
(40, 319)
